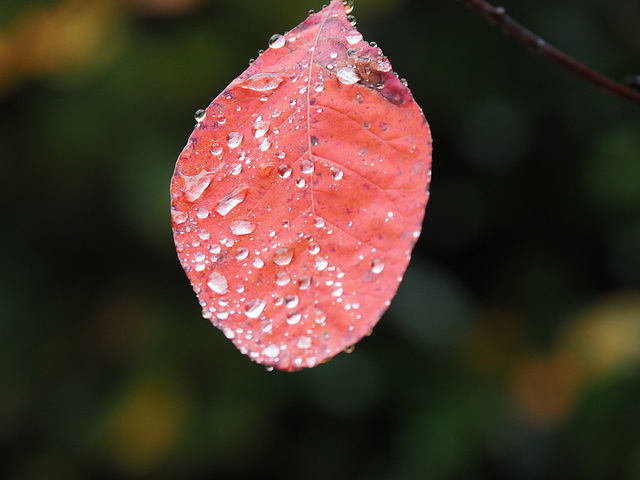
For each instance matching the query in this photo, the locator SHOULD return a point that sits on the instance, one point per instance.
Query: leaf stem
(497, 16)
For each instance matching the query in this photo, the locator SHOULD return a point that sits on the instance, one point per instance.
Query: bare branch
(498, 16)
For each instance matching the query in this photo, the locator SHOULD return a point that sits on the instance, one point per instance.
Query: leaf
(300, 195)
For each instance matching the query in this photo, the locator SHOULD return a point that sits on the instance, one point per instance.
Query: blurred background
(511, 351)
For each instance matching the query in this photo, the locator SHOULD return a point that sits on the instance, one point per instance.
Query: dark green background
(511, 350)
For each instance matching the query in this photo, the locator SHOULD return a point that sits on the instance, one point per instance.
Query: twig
(498, 16)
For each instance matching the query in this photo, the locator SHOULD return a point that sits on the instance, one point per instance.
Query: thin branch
(498, 16)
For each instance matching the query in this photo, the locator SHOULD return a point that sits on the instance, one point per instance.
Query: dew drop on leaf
(253, 308)
(242, 227)
(284, 171)
(218, 283)
(282, 256)
(234, 139)
(200, 115)
(228, 202)
(277, 41)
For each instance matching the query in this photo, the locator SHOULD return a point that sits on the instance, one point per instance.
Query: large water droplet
(202, 213)
(253, 308)
(336, 173)
(242, 227)
(258, 262)
(284, 171)
(271, 351)
(235, 169)
(282, 278)
(260, 127)
(242, 253)
(318, 222)
(304, 282)
(300, 182)
(314, 248)
(306, 166)
(195, 185)
(216, 149)
(264, 146)
(277, 41)
(282, 256)
(218, 283)
(262, 82)
(377, 265)
(354, 37)
(347, 75)
(200, 115)
(291, 301)
(234, 139)
(321, 263)
(227, 203)
(293, 318)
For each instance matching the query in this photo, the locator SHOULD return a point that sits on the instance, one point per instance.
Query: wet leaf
(300, 195)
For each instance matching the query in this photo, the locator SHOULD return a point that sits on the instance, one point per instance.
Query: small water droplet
(304, 342)
(336, 173)
(234, 139)
(216, 149)
(300, 182)
(271, 351)
(215, 249)
(320, 316)
(377, 265)
(347, 75)
(227, 203)
(314, 248)
(281, 154)
(253, 308)
(354, 37)
(258, 262)
(242, 227)
(318, 222)
(284, 171)
(282, 256)
(306, 166)
(282, 278)
(321, 263)
(228, 332)
(200, 115)
(337, 292)
(319, 88)
(293, 102)
(264, 146)
(218, 283)
(204, 234)
(293, 318)
(277, 41)
(384, 65)
(404, 82)
(235, 169)
(291, 301)
(242, 253)
(352, 20)
(221, 119)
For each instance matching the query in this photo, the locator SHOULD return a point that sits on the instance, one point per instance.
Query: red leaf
(300, 194)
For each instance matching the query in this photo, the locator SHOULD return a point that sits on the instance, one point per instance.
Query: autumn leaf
(301, 193)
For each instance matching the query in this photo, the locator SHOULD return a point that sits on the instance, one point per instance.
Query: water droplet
(337, 292)
(234, 139)
(293, 318)
(200, 115)
(258, 262)
(271, 351)
(221, 119)
(216, 149)
(306, 166)
(253, 308)
(281, 154)
(352, 20)
(314, 248)
(264, 145)
(377, 265)
(202, 213)
(347, 75)
(354, 37)
(321, 263)
(319, 88)
(291, 301)
(262, 82)
(204, 234)
(304, 342)
(304, 282)
(333, 55)
(348, 5)
(260, 128)
(228, 332)
(277, 41)
(384, 65)
(218, 283)
(284, 171)
(195, 185)
(320, 316)
(242, 227)
(336, 173)
(282, 278)
(404, 82)
(227, 203)
(215, 249)
(318, 222)
(242, 253)
(282, 256)
(300, 182)
(235, 169)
